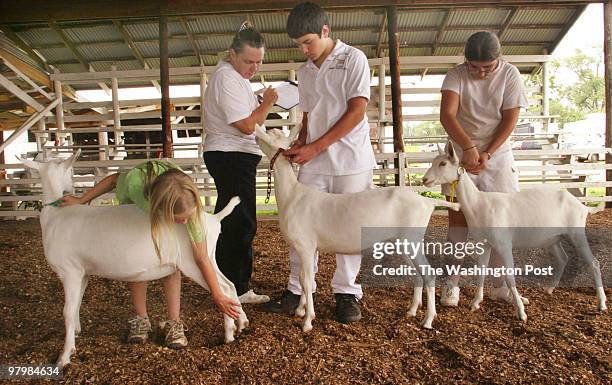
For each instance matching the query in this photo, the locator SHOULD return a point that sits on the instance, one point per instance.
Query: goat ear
(29, 163)
(452, 154)
(295, 131)
(440, 149)
(260, 132)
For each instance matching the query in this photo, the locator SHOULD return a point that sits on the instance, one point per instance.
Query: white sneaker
(251, 297)
(449, 296)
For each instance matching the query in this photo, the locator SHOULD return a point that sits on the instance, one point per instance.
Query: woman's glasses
(484, 69)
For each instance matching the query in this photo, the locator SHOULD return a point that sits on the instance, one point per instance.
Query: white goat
(312, 220)
(503, 218)
(114, 242)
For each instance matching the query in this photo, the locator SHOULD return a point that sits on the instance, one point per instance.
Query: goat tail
(451, 205)
(596, 209)
(227, 210)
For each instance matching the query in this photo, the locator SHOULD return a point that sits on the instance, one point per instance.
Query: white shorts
(499, 175)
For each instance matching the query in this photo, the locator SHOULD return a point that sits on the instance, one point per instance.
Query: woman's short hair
(483, 46)
(247, 35)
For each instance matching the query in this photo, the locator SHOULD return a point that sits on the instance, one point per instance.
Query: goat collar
(273, 160)
(270, 168)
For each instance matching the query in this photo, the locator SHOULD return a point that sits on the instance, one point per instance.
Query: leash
(270, 169)
(453, 185)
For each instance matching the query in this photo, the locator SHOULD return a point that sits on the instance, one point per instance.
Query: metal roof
(524, 29)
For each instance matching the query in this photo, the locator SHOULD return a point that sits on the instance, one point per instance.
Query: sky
(589, 24)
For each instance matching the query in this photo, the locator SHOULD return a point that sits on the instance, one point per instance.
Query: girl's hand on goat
(470, 159)
(227, 305)
(69, 200)
(482, 164)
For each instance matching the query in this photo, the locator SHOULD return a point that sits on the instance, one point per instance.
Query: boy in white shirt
(333, 148)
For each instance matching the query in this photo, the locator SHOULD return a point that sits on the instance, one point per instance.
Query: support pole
(164, 72)
(293, 111)
(116, 109)
(608, 88)
(546, 92)
(59, 111)
(396, 90)
(382, 105)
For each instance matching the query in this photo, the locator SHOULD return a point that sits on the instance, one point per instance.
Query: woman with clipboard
(231, 154)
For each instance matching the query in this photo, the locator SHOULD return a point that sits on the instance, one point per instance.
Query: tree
(573, 102)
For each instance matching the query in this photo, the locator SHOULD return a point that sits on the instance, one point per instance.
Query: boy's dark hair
(483, 46)
(247, 35)
(306, 18)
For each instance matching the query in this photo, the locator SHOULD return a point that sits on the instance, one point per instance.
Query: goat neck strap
(453, 190)
(269, 187)
(273, 160)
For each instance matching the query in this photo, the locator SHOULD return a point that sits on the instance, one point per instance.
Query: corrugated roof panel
(274, 21)
(414, 51)
(104, 51)
(38, 36)
(356, 37)
(217, 23)
(189, 61)
(521, 50)
(217, 43)
(530, 35)
(180, 47)
(449, 51)
(175, 28)
(69, 68)
(277, 40)
(142, 31)
(9, 46)
(148, 49)
(354, 19)
(284, 56)
(420, 19)
(57, 54)
(92, 33)
(457, 36)
(423, 37)
(483, 16)
(543, 16)
(122, 65)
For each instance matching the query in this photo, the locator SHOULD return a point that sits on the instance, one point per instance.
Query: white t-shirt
(324, 95)
(228, 99)
(481, 101)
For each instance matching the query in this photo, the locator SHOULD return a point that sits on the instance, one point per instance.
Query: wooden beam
(8, 32)
(194, 44)
(164, 73)
(127, 39)
(27, 69)
(27, 11)
(607, 15)
(577, 13)
(507, 22)
(55, 27)
(396, 91)
(21, 94)
(381, 36)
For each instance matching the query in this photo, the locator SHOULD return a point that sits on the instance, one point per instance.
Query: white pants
(347, 266)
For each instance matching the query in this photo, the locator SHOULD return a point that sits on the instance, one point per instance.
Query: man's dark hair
(483, 46)
(306, 18)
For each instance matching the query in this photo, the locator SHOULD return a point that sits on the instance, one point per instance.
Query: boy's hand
(227, 305)
(302, 154)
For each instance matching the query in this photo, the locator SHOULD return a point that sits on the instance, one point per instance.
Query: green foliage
(428, 128)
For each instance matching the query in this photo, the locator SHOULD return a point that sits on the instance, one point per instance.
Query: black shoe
(286, 304)
(347, 308)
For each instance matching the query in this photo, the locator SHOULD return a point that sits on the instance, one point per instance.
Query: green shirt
(130, 189)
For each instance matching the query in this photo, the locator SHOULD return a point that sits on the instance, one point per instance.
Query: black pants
(234, 175)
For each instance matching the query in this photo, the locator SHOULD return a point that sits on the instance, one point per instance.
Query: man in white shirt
(333, 148)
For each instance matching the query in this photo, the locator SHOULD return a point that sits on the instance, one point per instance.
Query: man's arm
(258, 116)
(354, 114)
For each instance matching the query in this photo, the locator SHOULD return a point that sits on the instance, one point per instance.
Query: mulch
(565, 339)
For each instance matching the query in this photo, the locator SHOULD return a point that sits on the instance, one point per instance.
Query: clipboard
(288, 95)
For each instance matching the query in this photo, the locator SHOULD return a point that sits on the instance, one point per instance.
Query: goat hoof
(603, 307)
(307, 327)
(426, 325)
(522, 316)
(549, 290)
(475, 306)
(229, 339)
(300, 312)
(525, 301)
(412, 313)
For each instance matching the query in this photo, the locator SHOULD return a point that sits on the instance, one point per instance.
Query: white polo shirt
(228, 99)
(324, 95)
(481, 101)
